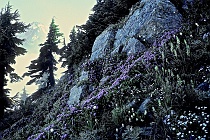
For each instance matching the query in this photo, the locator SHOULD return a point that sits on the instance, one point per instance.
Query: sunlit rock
(144, 25)
(102, 44)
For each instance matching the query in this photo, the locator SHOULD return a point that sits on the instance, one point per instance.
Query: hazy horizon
(67, 14)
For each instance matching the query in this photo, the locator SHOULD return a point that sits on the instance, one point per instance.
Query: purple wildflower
(148, 55)
(137, 75)
(100, 94)
(72, 109)
(48, 128)
(116, 82)
(32, 137)
(88, 101)
(164, 38)
(63, 136)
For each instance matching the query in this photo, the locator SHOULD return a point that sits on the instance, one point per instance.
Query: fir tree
(9, 49)
(46, 63)
(70, 53)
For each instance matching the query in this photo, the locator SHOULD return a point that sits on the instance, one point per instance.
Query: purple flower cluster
(63, 137)
(98, 96)
(34, 137)
(40, 135)
(48, 128)
(92, 107)
(164, 38)
(147, 57)
(73, 109)
(101, 93)
(124, 70)
(138, 75)
(122, 77)
(60, 116)
(86, 64)
(70, 78)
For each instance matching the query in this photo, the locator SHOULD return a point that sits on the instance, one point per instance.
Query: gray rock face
(206, 37)
(103, 80)
(185, 2)
(144, 106)
(77, 92)
(75, 95)
(102, 44)
(84, 76)
(149, 22)
(133, 46)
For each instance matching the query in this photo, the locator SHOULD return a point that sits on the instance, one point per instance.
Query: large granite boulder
(149, 21)
(144, 105)
(78, 91)
(102, 44)
(75, 95)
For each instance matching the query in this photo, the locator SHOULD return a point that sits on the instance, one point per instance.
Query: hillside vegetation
(160, 93)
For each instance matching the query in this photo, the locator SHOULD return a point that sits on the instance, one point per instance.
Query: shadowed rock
(144, 25)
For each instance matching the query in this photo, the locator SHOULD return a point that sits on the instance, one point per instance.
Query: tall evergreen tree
(45, 64)
(9, 49)
(70, 51)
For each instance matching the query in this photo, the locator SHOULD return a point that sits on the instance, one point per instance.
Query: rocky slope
(139, 83)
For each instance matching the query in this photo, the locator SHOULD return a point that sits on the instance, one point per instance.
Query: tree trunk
(2, 94)
(51, 76)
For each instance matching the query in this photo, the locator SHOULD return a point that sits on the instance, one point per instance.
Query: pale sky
(67, 13)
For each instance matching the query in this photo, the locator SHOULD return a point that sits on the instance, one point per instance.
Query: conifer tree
(70, 53)
(45, 64)
(9, 49)
(67, 51)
